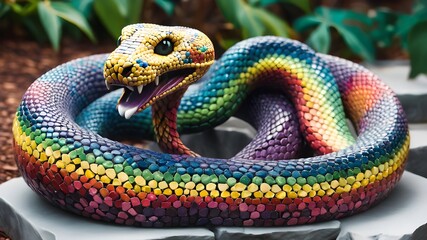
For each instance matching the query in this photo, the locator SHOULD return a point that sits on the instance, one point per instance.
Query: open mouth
(138, 98)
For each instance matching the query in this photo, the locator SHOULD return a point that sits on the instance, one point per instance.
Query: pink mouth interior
(131, 99)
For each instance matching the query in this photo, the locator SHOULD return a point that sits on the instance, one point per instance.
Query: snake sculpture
(300, 101)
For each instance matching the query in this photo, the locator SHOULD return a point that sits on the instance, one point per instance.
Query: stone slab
(326, 230)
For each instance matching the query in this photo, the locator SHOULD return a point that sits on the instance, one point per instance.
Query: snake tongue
(134, 101)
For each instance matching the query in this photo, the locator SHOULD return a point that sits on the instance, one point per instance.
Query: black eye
(119, 40)
(164, 47)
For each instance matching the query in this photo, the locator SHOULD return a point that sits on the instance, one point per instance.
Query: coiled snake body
(63, 157)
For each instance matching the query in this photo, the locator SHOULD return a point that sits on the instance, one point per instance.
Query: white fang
(121, 110)
(130, 112)
(107, 84)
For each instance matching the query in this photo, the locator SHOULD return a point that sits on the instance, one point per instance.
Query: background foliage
(365, 34)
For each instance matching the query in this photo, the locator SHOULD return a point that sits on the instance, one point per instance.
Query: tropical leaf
(273, 25)
(4, 8)
(301, 4)
(384, 27)
(51, 23)
(252, 20)
(320, 38)
(358, 41)
(116, 14)
(419, 5)
(251, 26)
(416, 46)
(348, 24)
(25, 9)
(343, 17)
(83, 6)
(306, 23)
(167, 5)
(34, 26)
(406, 22)
(71, 15)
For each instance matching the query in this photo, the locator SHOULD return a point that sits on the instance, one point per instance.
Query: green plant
(349, 24)
(51, 18)
(167, 5)
(253, 19)
(413, 34)
(115, 14)
(364, 34)
(53, 13)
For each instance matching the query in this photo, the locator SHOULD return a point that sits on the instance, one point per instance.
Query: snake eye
(119, 40)
(164, 47)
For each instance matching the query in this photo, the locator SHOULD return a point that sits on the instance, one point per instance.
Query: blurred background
(37, 35)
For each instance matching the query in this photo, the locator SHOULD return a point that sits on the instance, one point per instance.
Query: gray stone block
(326, 230)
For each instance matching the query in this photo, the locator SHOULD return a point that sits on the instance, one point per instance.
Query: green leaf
(83, 6)
(229, 10)
(71, 15)
(116, 14)
(406, 22)
(110, 16)
(417, 51)
(349, 25)
(253, 20)
(134, 11)
(301, 4)
(358, 41)
(384, 27)
(34, 26)
(51, 23)
(304, 23)
(167, 5)
(251, 25)
(320, 38)
(4, 9)
(419, 5)
(25, 9)
(240, 14)
(274, 25)
(343, 17)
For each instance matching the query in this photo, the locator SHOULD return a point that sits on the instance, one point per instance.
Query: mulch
(21, 62)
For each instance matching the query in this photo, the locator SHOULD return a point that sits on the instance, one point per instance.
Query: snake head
(152, 61)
